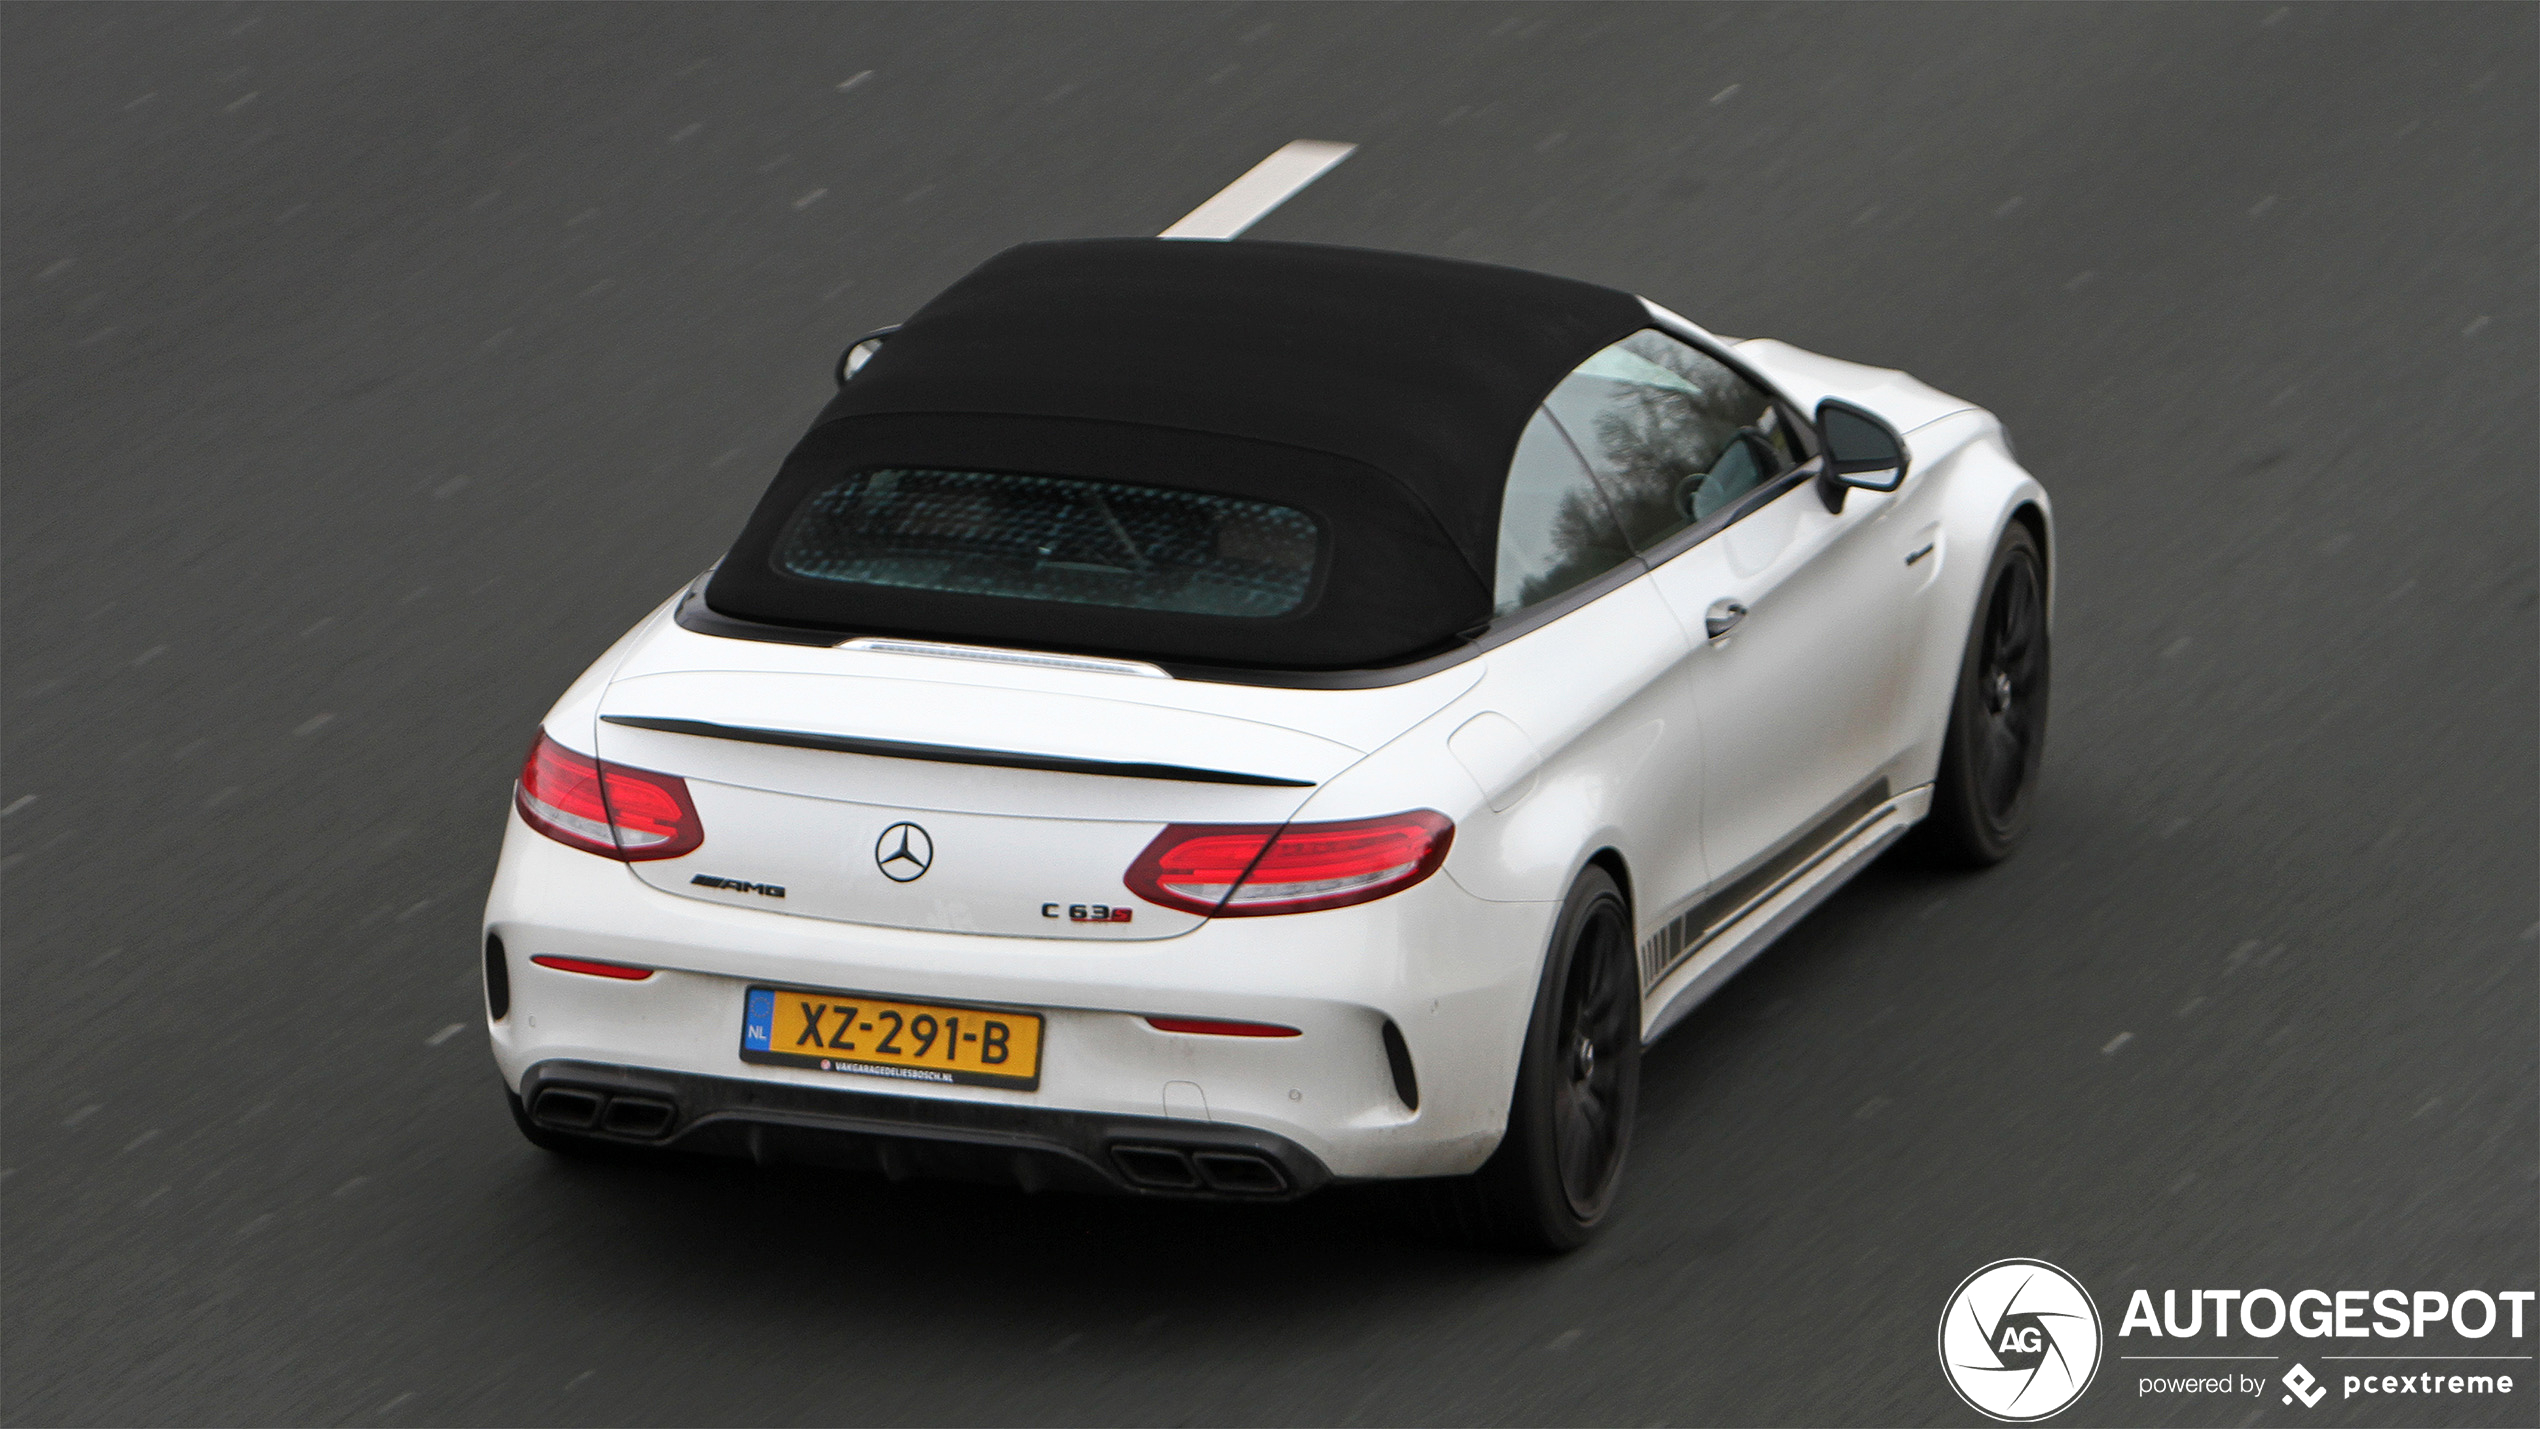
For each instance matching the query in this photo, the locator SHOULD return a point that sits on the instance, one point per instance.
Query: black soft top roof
(1382, 393)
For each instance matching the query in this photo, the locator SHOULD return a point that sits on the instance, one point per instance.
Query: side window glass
(1554, 528)
(1672, 434)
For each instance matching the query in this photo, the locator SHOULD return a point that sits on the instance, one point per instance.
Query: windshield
(1054, 539)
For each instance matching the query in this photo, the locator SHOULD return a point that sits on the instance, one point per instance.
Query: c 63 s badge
(1086, 912)
(765, 890)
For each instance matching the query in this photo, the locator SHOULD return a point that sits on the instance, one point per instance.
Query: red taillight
(605, 808)
(584, 965)
(1247, 870)
(1217, 1027)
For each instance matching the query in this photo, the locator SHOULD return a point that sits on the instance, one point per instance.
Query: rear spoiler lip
(948, 753)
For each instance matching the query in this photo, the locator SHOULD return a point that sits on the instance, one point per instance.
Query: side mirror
(1861, 450)
(860, 352)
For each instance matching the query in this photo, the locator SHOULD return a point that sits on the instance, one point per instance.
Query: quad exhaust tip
(1169, 1168)
(579, 1109)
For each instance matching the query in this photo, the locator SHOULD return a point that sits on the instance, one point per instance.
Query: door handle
(1722, 618)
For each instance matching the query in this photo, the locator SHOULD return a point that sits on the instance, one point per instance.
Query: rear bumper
(1036, 1148)
(1453, 976)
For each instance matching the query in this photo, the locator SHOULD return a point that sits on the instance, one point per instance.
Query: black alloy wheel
(1553, 1179)
(1984, 797)
(1588, 1103)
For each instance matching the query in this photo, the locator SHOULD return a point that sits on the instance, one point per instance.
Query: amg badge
(708, 880)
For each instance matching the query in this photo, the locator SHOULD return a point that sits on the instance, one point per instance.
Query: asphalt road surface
(369, 369)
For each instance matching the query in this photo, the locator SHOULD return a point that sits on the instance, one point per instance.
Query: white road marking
(353, 1185)
(313, 725)
(853, 80)
(1724, 96)
(136, 104)
(146, 656)
(400, 1399)
(687, 133)
(259, 1223)
(577, 1379)
(2007, 209)
(2261, 206)
(83, 1114)
(16, 804)
(58, 268)
(1267, 185)
(142, 1140)
(1871, 1108)
(1564, 1340)
(445, 1034)
(241, 101)
(2474, 325)
(449, 488)
(2116, 1042)
(807, 200)
(154, 1195)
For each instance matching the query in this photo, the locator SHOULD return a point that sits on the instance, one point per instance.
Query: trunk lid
(905, 792)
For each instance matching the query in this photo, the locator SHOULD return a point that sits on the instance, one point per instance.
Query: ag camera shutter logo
(2019, 1340)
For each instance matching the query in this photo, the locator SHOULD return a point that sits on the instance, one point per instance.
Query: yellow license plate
(885, 1037)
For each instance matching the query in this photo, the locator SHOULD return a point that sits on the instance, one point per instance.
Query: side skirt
(1735, 943)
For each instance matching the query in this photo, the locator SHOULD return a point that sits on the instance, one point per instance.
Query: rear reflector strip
(1213, 1027)
(585, 965)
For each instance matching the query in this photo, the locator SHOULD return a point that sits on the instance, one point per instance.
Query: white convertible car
(1218, 719)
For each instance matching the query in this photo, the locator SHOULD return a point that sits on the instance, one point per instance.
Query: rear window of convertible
(1054, 539)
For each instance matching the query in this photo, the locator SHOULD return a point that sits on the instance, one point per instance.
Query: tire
(1578, 1088)
(1985, 795)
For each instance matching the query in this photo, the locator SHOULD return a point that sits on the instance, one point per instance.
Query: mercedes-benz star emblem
(904, 852)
